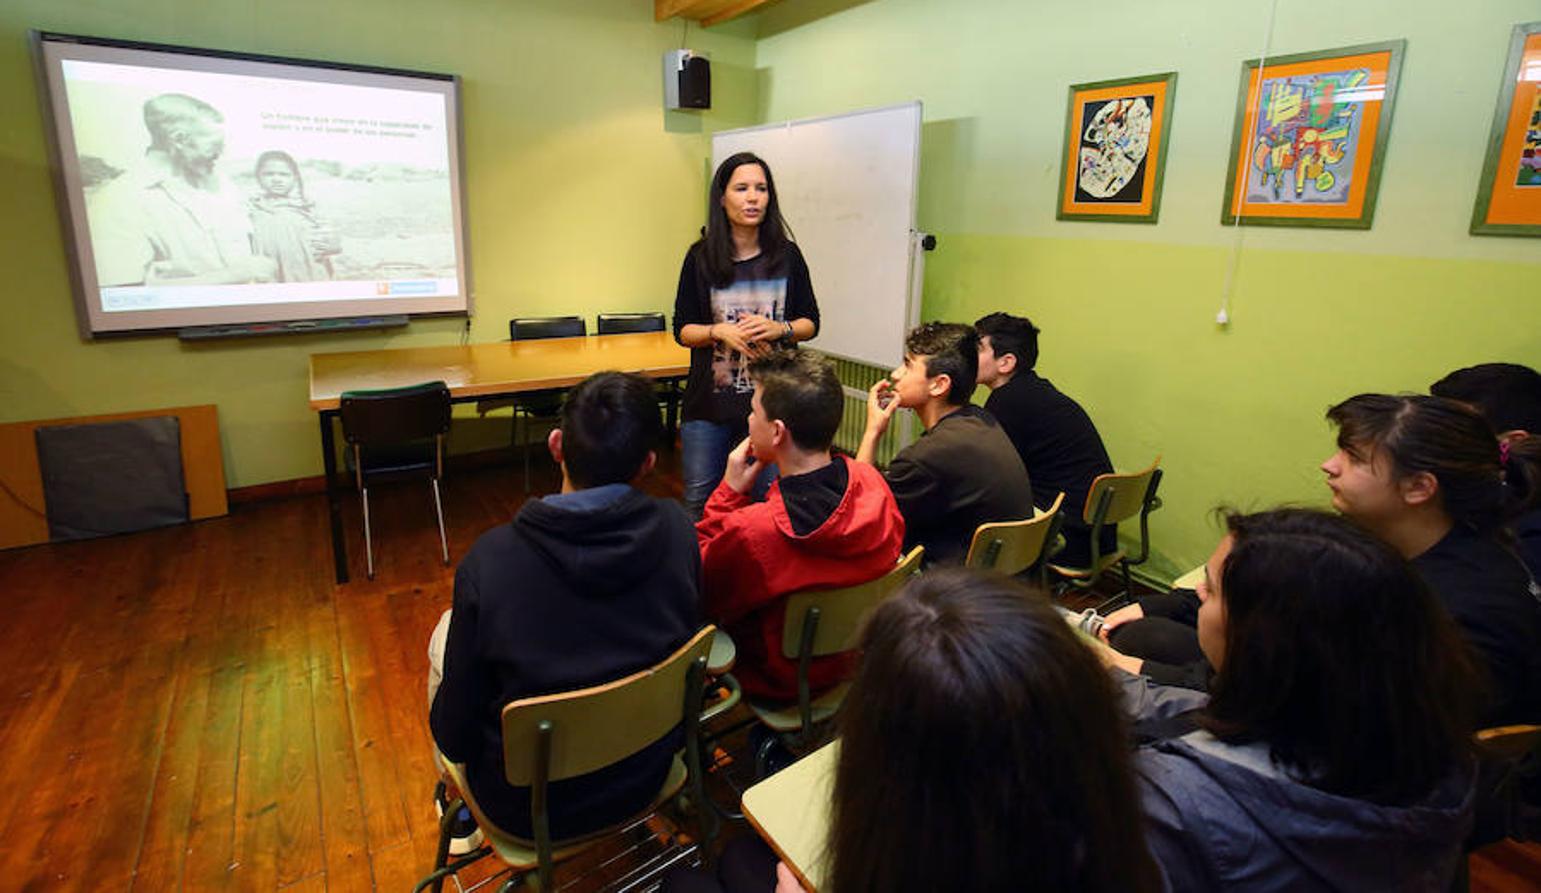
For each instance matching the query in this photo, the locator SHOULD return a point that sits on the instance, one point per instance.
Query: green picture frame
(1504, 207)
(1114, 187)
(1310, 154)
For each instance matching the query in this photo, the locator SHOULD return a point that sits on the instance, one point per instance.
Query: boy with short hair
(826, 522)
(583, 587)
(963, 471)
(1055, 437)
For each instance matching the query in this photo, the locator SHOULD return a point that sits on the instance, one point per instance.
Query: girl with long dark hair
(1426, 475)
(744, 289)
(981, 748)
(1332, 752)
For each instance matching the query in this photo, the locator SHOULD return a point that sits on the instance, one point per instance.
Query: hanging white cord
(1224, 316)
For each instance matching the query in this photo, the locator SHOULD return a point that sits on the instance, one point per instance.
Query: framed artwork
(1509, 194)
(1115, 149)
(1310, 136)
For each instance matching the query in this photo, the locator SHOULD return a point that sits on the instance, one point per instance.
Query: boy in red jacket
(826, 523)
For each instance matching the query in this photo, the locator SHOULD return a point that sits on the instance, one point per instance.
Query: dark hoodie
(576, 591)
(1224, 817)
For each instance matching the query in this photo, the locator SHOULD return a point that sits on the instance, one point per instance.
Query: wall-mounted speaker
(687, 80)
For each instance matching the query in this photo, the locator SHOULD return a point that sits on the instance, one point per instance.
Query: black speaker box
(696, 83)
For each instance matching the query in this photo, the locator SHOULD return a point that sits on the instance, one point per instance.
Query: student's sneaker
(464, 836)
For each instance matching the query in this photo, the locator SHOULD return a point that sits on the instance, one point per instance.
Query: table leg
(333, 497)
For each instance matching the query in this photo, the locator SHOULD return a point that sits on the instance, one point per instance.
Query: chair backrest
(530, 328)
(1129, 493)
(601, 725)
(1013, 546)
(1508, 742)
(841, 610)
(621, 323)
(395, 415)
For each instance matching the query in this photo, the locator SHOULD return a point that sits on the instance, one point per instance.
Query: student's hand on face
(786, 881)
(760, 328)
(742, 469)
(1119, 618)
(882, 403)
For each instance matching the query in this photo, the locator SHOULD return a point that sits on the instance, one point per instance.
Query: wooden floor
(201, 708)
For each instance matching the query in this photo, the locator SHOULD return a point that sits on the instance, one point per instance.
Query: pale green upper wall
(582, 191)
(1128, 310)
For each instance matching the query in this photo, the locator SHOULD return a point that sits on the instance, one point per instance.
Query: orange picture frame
(1114, 155)
(1509, 193)
(1310, 137)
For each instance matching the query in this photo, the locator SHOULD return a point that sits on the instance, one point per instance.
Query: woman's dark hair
(609, 424)
(1446, 438)
(286, 158)
(1339, 658)
(982, 749)
(1509, 396)
(715, 251)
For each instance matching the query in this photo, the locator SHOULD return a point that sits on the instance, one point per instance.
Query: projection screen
(202, 188)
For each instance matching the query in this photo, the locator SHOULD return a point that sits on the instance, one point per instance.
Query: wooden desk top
(507, 367)
(791, 811)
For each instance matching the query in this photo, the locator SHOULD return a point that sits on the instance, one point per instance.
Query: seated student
(981, 749)
(1333, 751)
(827, 522)
(1423, 474)
(1053, 434)
(1509, 396)
(585, 586)
(963, 471)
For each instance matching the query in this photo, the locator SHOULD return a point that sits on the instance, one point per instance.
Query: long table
(475, 372)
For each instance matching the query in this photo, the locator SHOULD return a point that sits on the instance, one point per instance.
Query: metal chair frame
(1148, 503)
(431, 401)
(542, 777)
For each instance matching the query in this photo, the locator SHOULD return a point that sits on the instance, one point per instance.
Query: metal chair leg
(523, 430)
(438, 510)
(369, 546)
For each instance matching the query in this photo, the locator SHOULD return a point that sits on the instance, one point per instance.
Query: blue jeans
(705, 447)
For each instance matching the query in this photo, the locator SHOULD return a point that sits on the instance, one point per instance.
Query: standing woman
(744, 290)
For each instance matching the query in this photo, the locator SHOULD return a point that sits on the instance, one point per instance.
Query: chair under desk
(475, 372)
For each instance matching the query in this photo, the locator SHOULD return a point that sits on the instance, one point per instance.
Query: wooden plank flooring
(200, 708)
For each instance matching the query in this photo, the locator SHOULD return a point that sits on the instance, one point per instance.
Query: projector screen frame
(69, 199)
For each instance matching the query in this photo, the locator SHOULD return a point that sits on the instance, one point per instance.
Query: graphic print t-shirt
(719, 388)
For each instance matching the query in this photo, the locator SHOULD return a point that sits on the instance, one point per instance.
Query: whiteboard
(847, 188)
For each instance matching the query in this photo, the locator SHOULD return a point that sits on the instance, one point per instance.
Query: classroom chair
(821, 622)
(625, 323)
(1113, 499)
(1014, 546)
(541, 405)
(555, 737)
(396, 432)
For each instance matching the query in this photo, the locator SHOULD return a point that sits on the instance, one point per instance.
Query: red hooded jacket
(751, 560)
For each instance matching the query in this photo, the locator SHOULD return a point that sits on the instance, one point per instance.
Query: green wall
(582, 193)
(1128, 311)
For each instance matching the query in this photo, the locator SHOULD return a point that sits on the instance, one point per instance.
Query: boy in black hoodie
(583, 587)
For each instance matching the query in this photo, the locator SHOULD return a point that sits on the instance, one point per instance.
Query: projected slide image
(209, 188)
